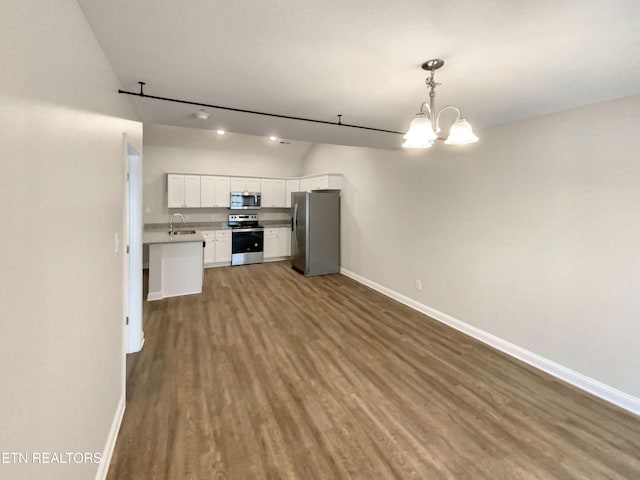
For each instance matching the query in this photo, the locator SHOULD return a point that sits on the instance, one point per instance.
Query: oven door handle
(242, 230)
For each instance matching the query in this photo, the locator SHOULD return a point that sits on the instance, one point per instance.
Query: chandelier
(424, 129)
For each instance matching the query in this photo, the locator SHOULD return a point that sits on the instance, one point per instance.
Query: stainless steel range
(247, 239)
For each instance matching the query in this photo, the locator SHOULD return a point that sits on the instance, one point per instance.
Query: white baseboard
(109, 447)
(154, 296)
(610, 394)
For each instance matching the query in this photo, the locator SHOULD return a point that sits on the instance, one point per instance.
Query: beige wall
(61, 284)
(532, 234)
(176, 149)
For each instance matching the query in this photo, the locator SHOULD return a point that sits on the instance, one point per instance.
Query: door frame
(134, 335)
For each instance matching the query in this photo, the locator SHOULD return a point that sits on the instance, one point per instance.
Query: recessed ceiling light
(202, 115)
(273, 138)
(220, 132)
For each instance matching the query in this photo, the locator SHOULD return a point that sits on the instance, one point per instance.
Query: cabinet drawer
(223, 233)
(208, 234)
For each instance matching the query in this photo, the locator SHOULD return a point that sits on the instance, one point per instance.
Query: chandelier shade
(423, 130)
(420, 134)
(460, 133)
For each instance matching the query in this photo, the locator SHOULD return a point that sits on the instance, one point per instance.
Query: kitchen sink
(183, 232)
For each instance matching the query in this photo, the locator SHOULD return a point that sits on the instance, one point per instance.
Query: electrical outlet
(418, 285)
(147, 210)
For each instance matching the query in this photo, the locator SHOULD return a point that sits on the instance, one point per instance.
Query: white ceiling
(505, 60)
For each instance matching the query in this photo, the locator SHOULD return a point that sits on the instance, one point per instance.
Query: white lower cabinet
(217, 247)
(223, 246)
(277, 242)
(284, 242)
(270, 243)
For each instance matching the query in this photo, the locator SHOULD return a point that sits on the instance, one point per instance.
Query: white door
(237, 184)
(252, 184)
(192, 191)
(266, 188)
(222, 192)
(134, 336)
(207, 191)
(209, 251)
(270, 243)
(175, 191)
(284, 242)
(292, 185)
(321, 182)
(278, 189)
(223, 249)
(306, 184)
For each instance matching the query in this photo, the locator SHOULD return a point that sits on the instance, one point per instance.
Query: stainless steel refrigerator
(315, 232)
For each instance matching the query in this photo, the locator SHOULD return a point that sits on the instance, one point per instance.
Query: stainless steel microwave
(245, 200)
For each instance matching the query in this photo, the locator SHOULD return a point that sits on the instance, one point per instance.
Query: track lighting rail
(252, 112)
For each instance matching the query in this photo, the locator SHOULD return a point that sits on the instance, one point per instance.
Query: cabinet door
(292, 185)
(278, 193)
(222, 192)
(209, 251)
(192, 191)
(284, 242)
(223, 249)
(320, 183)
(252, 184)
(237, 184)
(306, 184)
(334, 182)
(270, 246)
(175, 191)
(207, 191)
(266, 188)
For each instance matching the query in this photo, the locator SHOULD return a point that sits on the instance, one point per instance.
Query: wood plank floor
(271, 375)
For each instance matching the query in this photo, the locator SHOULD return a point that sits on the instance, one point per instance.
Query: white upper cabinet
(237, 184)
(253, 185)
(292, 185)
(207, 191)
(242, 184)
(175, 191)
(214, 191)
(273, 193)
(223, 189)
(321, 182)
(183, 191)
(191, 191)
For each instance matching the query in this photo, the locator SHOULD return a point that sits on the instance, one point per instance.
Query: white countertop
(162, 236)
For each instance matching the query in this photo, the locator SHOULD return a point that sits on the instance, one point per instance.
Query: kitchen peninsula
(175, 263)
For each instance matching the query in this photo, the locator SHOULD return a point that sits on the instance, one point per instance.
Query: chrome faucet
(171, 222)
